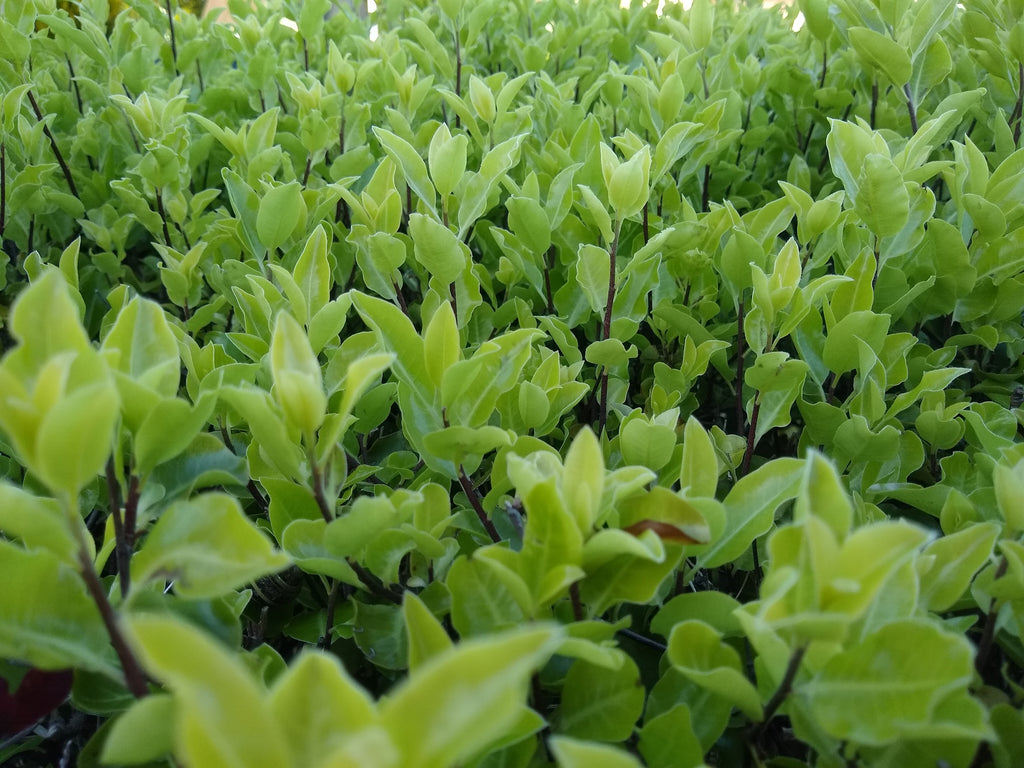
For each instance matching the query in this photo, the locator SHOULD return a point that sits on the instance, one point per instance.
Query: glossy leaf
(207, 547)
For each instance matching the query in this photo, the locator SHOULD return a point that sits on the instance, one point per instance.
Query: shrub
(513, 384)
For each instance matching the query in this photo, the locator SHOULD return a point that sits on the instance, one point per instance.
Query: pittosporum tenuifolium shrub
(505, 384)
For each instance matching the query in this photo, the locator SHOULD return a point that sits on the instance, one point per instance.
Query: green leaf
(466, 698)
(713, 608)
(313, 273)
(427, 638)
(437, 248)
(397, 334)
(601, 704)
(412, 165)
(442, 347)
(889, 685)
(223, 718)
(207, 547)
(49, 620)
(205, 463)
(572, 753)
(583, 479)
(143, 734)
(282, 212)
(882, 53)
(948, 565)
(298, 385)
(486, 596)
(142, 346)
(37, 522)
(668, 740)
(750, 508)
(841, 352)
(1009, 490)
(822, 494)
(592, 265)
(319, 708)
(76, 438)
(529, 221)
(697, 650)
(552, 545)
(168, 430)
(882, 201)
(647, 444)
(698, 475)
(447, 157)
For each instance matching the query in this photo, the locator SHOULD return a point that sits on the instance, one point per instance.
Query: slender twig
(458, 70)
(53, 145)
(751, 435)
(874, 101)
(606, 328)
(643, 639)
(577, 605)
(547, 279)
(740, 344)
(705, 195)
(373, 584)
(474, 500)
(174, 45)
(332, 602)
(318, 490)
(989, 632)
(784, 689)
(134, 677)
(121, 553)
(3, 187)
(1018, 110)
(911, 109)
(163, 217)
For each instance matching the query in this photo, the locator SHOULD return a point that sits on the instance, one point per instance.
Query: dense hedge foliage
(506, 384)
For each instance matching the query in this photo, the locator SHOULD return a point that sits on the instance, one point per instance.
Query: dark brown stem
(373, 584)
(3, 187)
(401, 299)
(131, 511)
(199, 75)
(874, 101)
(647, 230)
(547, 279)
(174, 45)
(741, 340)
(577, 606)
(318, 490)
(606, 328)
(705, 195)
(458, 69)
(474, 501)
(309, 167)
(163, 217)
(53, 145)
(911, 109)
(305, 55)
(784, 689)
(134, 677)
(824, 64)
(988, 634)
(1018, 110)
(121, 553)
(332, 602)
(74, 85)
(751, 433)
